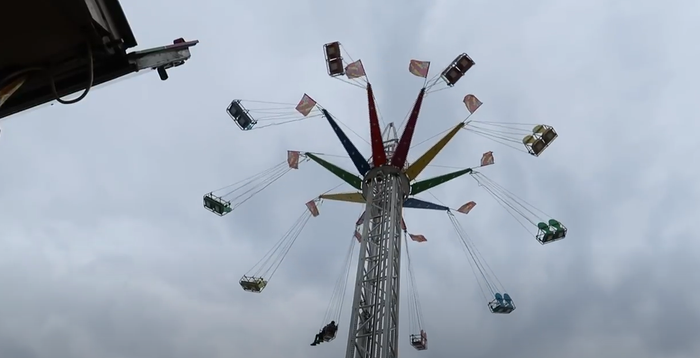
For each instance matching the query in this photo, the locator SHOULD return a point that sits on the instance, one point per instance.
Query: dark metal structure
(53, 48)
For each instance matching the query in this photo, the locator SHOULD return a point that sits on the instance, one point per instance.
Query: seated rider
(327, 331)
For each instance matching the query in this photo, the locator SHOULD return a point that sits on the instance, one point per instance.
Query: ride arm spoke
(346, 197)
(426, 184)
(341, 173)
(401, 151)
(415, 203)
(421, 163)
(360, 162)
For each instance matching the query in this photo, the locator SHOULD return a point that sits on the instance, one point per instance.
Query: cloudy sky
(107, 252)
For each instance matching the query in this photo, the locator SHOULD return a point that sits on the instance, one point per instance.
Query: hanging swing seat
(420, 341)
(550, 231)
(502, 304)
(240, 115)
(334, 59)
(457, 69)
(542, 137)
(548, 134)
(329, 336)
(535, 146)
(217, 205)
(328, 332)
(253, 284)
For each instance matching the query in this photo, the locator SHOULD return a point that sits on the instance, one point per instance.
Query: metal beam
(360, 162)
(378, 154)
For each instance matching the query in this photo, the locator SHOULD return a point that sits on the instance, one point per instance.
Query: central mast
(374, 324)
(384, 188)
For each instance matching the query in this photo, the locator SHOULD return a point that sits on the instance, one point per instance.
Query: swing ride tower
(374, 320)
(385, 184)
(385, 188)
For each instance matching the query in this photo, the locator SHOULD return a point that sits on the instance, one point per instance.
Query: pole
(374, 324)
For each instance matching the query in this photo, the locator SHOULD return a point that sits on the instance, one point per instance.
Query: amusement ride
(386, 184)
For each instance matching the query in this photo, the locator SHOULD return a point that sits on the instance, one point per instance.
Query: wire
(245, 189)
(512, 203)
(252, 177)
(52, 82)
(484, 284)
(268, 265)
(415, 318)
(91, 80)
(488, 282)
(335, 305)
(248, 193)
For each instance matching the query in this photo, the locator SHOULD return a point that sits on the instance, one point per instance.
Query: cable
(414, 305)
(477, 262)
(91, 80)
(336, 303)
(49, 72)
(268, 264)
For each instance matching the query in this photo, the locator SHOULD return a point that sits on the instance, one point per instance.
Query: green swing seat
(550, 231)
(217, 205)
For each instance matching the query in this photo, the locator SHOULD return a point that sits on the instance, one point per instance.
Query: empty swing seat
(559, 229)
(217, 205)
(509, 301)
(464, 63)
(419, 341)
(542, 136)
(535, 146)
(456, 70)
(334, 59)
(451, 76)
(240, 115)
(544, 233)
(549, 135)
(253, 284)
(550, 231)
(502, 304)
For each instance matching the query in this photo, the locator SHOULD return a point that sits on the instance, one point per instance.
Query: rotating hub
(379, 174)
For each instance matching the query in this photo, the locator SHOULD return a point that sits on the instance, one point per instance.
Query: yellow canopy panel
(417, 167)
(347, 197)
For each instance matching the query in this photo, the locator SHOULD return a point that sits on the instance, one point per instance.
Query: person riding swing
(326, 333)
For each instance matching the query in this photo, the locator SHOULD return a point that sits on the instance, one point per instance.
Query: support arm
(378, 154)
(346, 197)
(360, 162)
(419, 165)
(401, 153)
(424, 185)
(341, 173)
(422, 204)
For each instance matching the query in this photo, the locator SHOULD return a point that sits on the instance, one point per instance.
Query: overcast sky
(106, 251)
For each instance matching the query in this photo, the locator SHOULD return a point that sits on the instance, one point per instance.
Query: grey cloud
(107, 252)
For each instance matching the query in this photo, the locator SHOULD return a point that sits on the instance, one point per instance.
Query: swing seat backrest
(507, 298)
(329, 336)
(555, 224)
(544, 227)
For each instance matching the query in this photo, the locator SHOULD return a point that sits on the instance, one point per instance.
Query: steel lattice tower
(374, 324)
(384, 188)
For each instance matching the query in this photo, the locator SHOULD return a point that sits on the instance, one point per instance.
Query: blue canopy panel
(414, 203)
